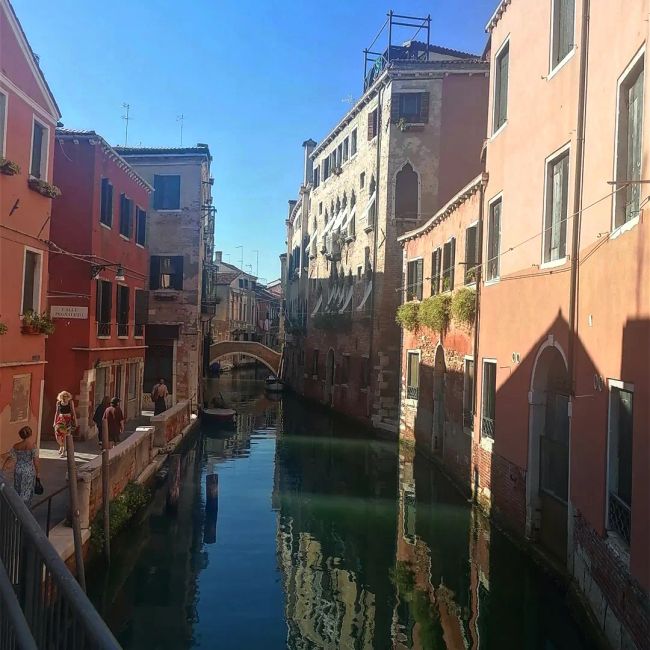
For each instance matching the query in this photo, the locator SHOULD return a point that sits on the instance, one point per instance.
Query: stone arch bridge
(270, 358)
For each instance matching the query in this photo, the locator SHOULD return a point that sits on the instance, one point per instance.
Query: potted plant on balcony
(3, 329)
(35, 323)
(43, 187)
(8, 168)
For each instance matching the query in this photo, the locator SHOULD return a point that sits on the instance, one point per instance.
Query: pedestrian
(98, 418)
(115, 420)
(27, 468)
(159, 397)
(65, 419)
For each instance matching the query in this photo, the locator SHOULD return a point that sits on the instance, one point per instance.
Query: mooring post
(174, 490)
(74, 507)
(211, 508)
(106, 494)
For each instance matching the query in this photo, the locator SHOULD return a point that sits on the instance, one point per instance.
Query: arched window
(406, 193)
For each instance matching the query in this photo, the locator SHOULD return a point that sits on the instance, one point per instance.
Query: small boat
(218, 416)
(274, 385)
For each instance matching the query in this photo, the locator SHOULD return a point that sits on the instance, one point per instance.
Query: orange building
(28, 118)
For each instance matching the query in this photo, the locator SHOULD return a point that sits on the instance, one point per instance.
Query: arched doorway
(438, 433)
(548, 470)
(329, 378)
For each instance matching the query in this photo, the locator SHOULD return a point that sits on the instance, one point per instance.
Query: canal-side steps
(41, 604)
(136, 459)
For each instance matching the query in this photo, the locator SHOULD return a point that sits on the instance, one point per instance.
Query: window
(489, 398)
(140, 226)
(471, 254)
(31, 282)
(407, 193)
(103, 307)
(106, 203)
(339, 155)
(557, 200)
(346, 149)
(133, 380)
(166, 272)
(126, 209)
(563, 18)
(628, 146)
(345, 369)
(494, 240)
(326, 168)
(3, 122)
(320, 208)
(362, 180)
(412, 375)
(468, 394)
(501, 88)
(365, 372)
(141, 311)
(167, 192)
(316, 177)
(122, 310)
(353, 143)
(414, 279)
(448, 264)
(621, 420)
(38, 165)
(436, 265)
(410, 108)
(372, 124)
(314, 363)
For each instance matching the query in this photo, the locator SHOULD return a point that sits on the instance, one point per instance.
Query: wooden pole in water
(211, 508)
(174, 491)
(106, 495)
(74, 507)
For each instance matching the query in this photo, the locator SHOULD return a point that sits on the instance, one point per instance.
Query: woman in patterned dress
(26, 469)
(65, 419)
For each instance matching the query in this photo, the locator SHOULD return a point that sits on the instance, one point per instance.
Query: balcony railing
(138, 330)
(620, 517)
(412, 392)
(468, 419)
(103, 329)
(122, 329)
(487, 427)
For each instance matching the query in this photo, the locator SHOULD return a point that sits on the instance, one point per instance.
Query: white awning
(366, 295)
(312, 238)
(348, 218)
(319, 302)
(340, 218)
(348, 298)
(366, 210)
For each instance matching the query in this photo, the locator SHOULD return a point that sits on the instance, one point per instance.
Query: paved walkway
(54, 472)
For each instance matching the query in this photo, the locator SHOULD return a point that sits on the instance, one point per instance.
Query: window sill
(562, 63)
(492, 281)
(124, 237)
(167, 210)
(139, 245)
(105, 225)
(623, 228)
(554, 263)
(496, 133)
(138, 337)
(104, 338)
(412, 403)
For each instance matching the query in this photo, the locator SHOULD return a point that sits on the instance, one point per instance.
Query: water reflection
(320, 537)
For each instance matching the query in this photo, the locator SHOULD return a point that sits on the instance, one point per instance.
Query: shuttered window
(166, 272)
(123, 309)
(39, 151)
(471, 254)
(494, 241)
(106, 203)
(326, 169)
(353, 143)
(104, 302)
(414, 277)
(412, 375)
(448, 264)
(436, 265)
(140, 227)
(563, 27)
(167, 192)
(501, 88)
(3, 119)
(557, 197)
(411, 108)
(126, 209)
(489, 398)
(372, 124)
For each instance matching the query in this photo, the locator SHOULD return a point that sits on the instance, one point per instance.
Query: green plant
(407, 315)
(123, 508)
(44, 188)
(3, 329)
(463, 306)
(434, 312)
(402, 124)
(446, 284)
(8, 167)
(42, 323)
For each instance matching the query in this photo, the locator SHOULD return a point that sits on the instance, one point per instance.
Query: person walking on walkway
(115, 420)
(159, 395)
(65, 419)
(98, 418)
(27, 467)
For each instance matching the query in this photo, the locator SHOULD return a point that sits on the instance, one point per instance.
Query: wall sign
(68, 311)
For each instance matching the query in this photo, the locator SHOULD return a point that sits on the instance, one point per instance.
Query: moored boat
(217, 416)
(274, 385)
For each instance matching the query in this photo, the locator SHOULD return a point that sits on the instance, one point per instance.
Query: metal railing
(620, 517)
(468, 418)
(487, 427)
(138, 330)
(122, 329)
(412, 392)
(103, 329)
(48, 501)
(41, 604)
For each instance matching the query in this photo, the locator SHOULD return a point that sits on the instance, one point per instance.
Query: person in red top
(115, 420)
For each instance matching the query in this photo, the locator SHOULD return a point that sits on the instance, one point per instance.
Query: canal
(323, 538)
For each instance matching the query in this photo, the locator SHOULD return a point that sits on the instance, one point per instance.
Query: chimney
(308, 176)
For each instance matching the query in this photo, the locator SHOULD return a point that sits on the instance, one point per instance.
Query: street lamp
(96, 269)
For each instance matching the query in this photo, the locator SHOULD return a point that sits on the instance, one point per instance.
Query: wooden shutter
(372, 124)
(394, 108)
(107, 301)
(103, 201)
(109, 205)
(141, 307)
(503, 85)
(424, 108)
(470, 254)
(154, 272)
(98, 301)
(419, 276)
(452, 262)
(177, 277)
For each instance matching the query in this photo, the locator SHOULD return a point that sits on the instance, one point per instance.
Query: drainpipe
(577, 195)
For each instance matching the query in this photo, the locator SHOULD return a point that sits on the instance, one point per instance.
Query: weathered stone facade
(344, 264)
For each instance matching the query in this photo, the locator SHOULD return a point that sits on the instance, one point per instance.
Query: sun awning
(347, 300)
(366, 210)
(348, 218)
(366, 295)
(312, 238)
(319, 302)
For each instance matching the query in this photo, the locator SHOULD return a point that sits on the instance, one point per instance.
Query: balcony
(487, 428)
(138, 330)
(122, 330)
(209, 308)
(103, 330)
(412, 392)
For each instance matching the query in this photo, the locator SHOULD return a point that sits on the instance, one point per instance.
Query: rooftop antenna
(180, 118)
(126, 118)
(257, 262)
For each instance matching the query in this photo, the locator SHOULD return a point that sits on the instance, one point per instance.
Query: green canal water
(323, 538)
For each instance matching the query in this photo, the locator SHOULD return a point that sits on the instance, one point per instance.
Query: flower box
(43, 187)
(8, 168)
(34, 324)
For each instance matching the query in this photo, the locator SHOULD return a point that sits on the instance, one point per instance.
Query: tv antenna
(181, 118)
(127, 119)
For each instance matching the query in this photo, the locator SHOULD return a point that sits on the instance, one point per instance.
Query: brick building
(437, 397)
(395, 158)
(28, 117)
(180, 233)
(97, 279)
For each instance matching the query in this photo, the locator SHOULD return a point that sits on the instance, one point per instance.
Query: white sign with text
(68, 311)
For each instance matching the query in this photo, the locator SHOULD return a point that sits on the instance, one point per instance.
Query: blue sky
(253, 79)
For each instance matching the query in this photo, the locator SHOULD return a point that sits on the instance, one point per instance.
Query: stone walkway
(54, 472)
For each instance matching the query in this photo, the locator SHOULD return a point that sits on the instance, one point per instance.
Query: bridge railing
(41, 604)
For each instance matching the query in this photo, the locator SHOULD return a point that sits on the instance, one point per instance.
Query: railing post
(74, 507)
